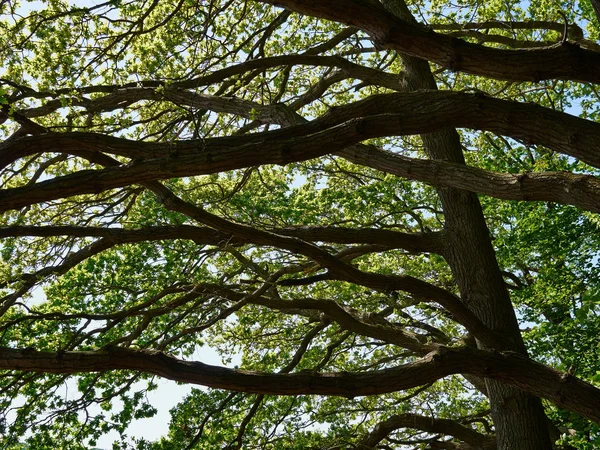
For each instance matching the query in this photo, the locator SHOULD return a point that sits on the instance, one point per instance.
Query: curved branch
(384, 331)
(29, 280)
(201, 235)
(431, 242)
(120, 97)
(213, 77)
(373, 326)
(338, 269)
(566, 188)
(562, 389)
(393, 114)
(384, 115)
(567, 61)
(573, 29)
(429, 425)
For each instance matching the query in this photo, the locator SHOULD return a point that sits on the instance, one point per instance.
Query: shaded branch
(562, 389)
(352, 321)
(413, 242)
(338, 269)
(201, 235)
(567, 62)
(566, 188)
(29, 280)
(120, 97)
(429, 425)
(384, 115)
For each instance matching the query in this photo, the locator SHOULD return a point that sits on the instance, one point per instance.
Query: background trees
(297, 187)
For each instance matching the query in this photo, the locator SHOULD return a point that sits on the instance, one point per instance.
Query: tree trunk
(519, 419)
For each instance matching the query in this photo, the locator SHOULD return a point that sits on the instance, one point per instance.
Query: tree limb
(384, 115)
(566, 62)
(562, 389)
(430, 425)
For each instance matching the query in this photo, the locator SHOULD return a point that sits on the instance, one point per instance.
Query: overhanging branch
(567, 61)
(385, 115)
(430, 425)
(378, 116)
(562, 389)
(566, 188)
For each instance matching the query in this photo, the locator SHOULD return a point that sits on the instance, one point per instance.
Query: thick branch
(348, 320)
(201, 235)
(564, 390)
(432, 242)
(566, 61)
(413, 242)
(384, 115)
(566, 188)
(337, 268)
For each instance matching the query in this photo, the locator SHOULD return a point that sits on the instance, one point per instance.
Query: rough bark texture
(519, 419)
(472, 439)
(565, 61)
(410, 113)
(508, 368)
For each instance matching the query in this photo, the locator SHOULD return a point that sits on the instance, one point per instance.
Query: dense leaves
(261, 178)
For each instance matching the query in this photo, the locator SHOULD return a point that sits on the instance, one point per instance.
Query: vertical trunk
(519, 419)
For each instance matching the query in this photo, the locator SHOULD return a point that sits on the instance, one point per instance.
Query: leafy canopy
(231, 174)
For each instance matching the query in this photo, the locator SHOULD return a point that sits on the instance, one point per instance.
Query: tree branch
(384, 115)
(562, 389)
(566, 188)
(430, 425)
(432, 242)
(567, 62)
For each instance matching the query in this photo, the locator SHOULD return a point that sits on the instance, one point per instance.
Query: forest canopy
(382, 215)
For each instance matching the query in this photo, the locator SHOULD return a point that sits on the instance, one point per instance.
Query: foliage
(183, 174)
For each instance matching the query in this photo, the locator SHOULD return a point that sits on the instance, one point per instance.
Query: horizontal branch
(562, 389)
(338, 269)
(201, 235)
(383, 115)
(373, 326)
(428, 111)
(29, 280)
(574, 30)
(582, 191)
(567, 61)
(203, 80)
(429, 425)
(352, 321)
(432, 242)
(119, 97)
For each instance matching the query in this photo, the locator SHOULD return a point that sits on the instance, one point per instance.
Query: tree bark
(471, 438)
(562, 389)
(518, 417)
(565, 62)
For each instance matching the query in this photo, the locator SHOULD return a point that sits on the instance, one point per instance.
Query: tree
(392, 223)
